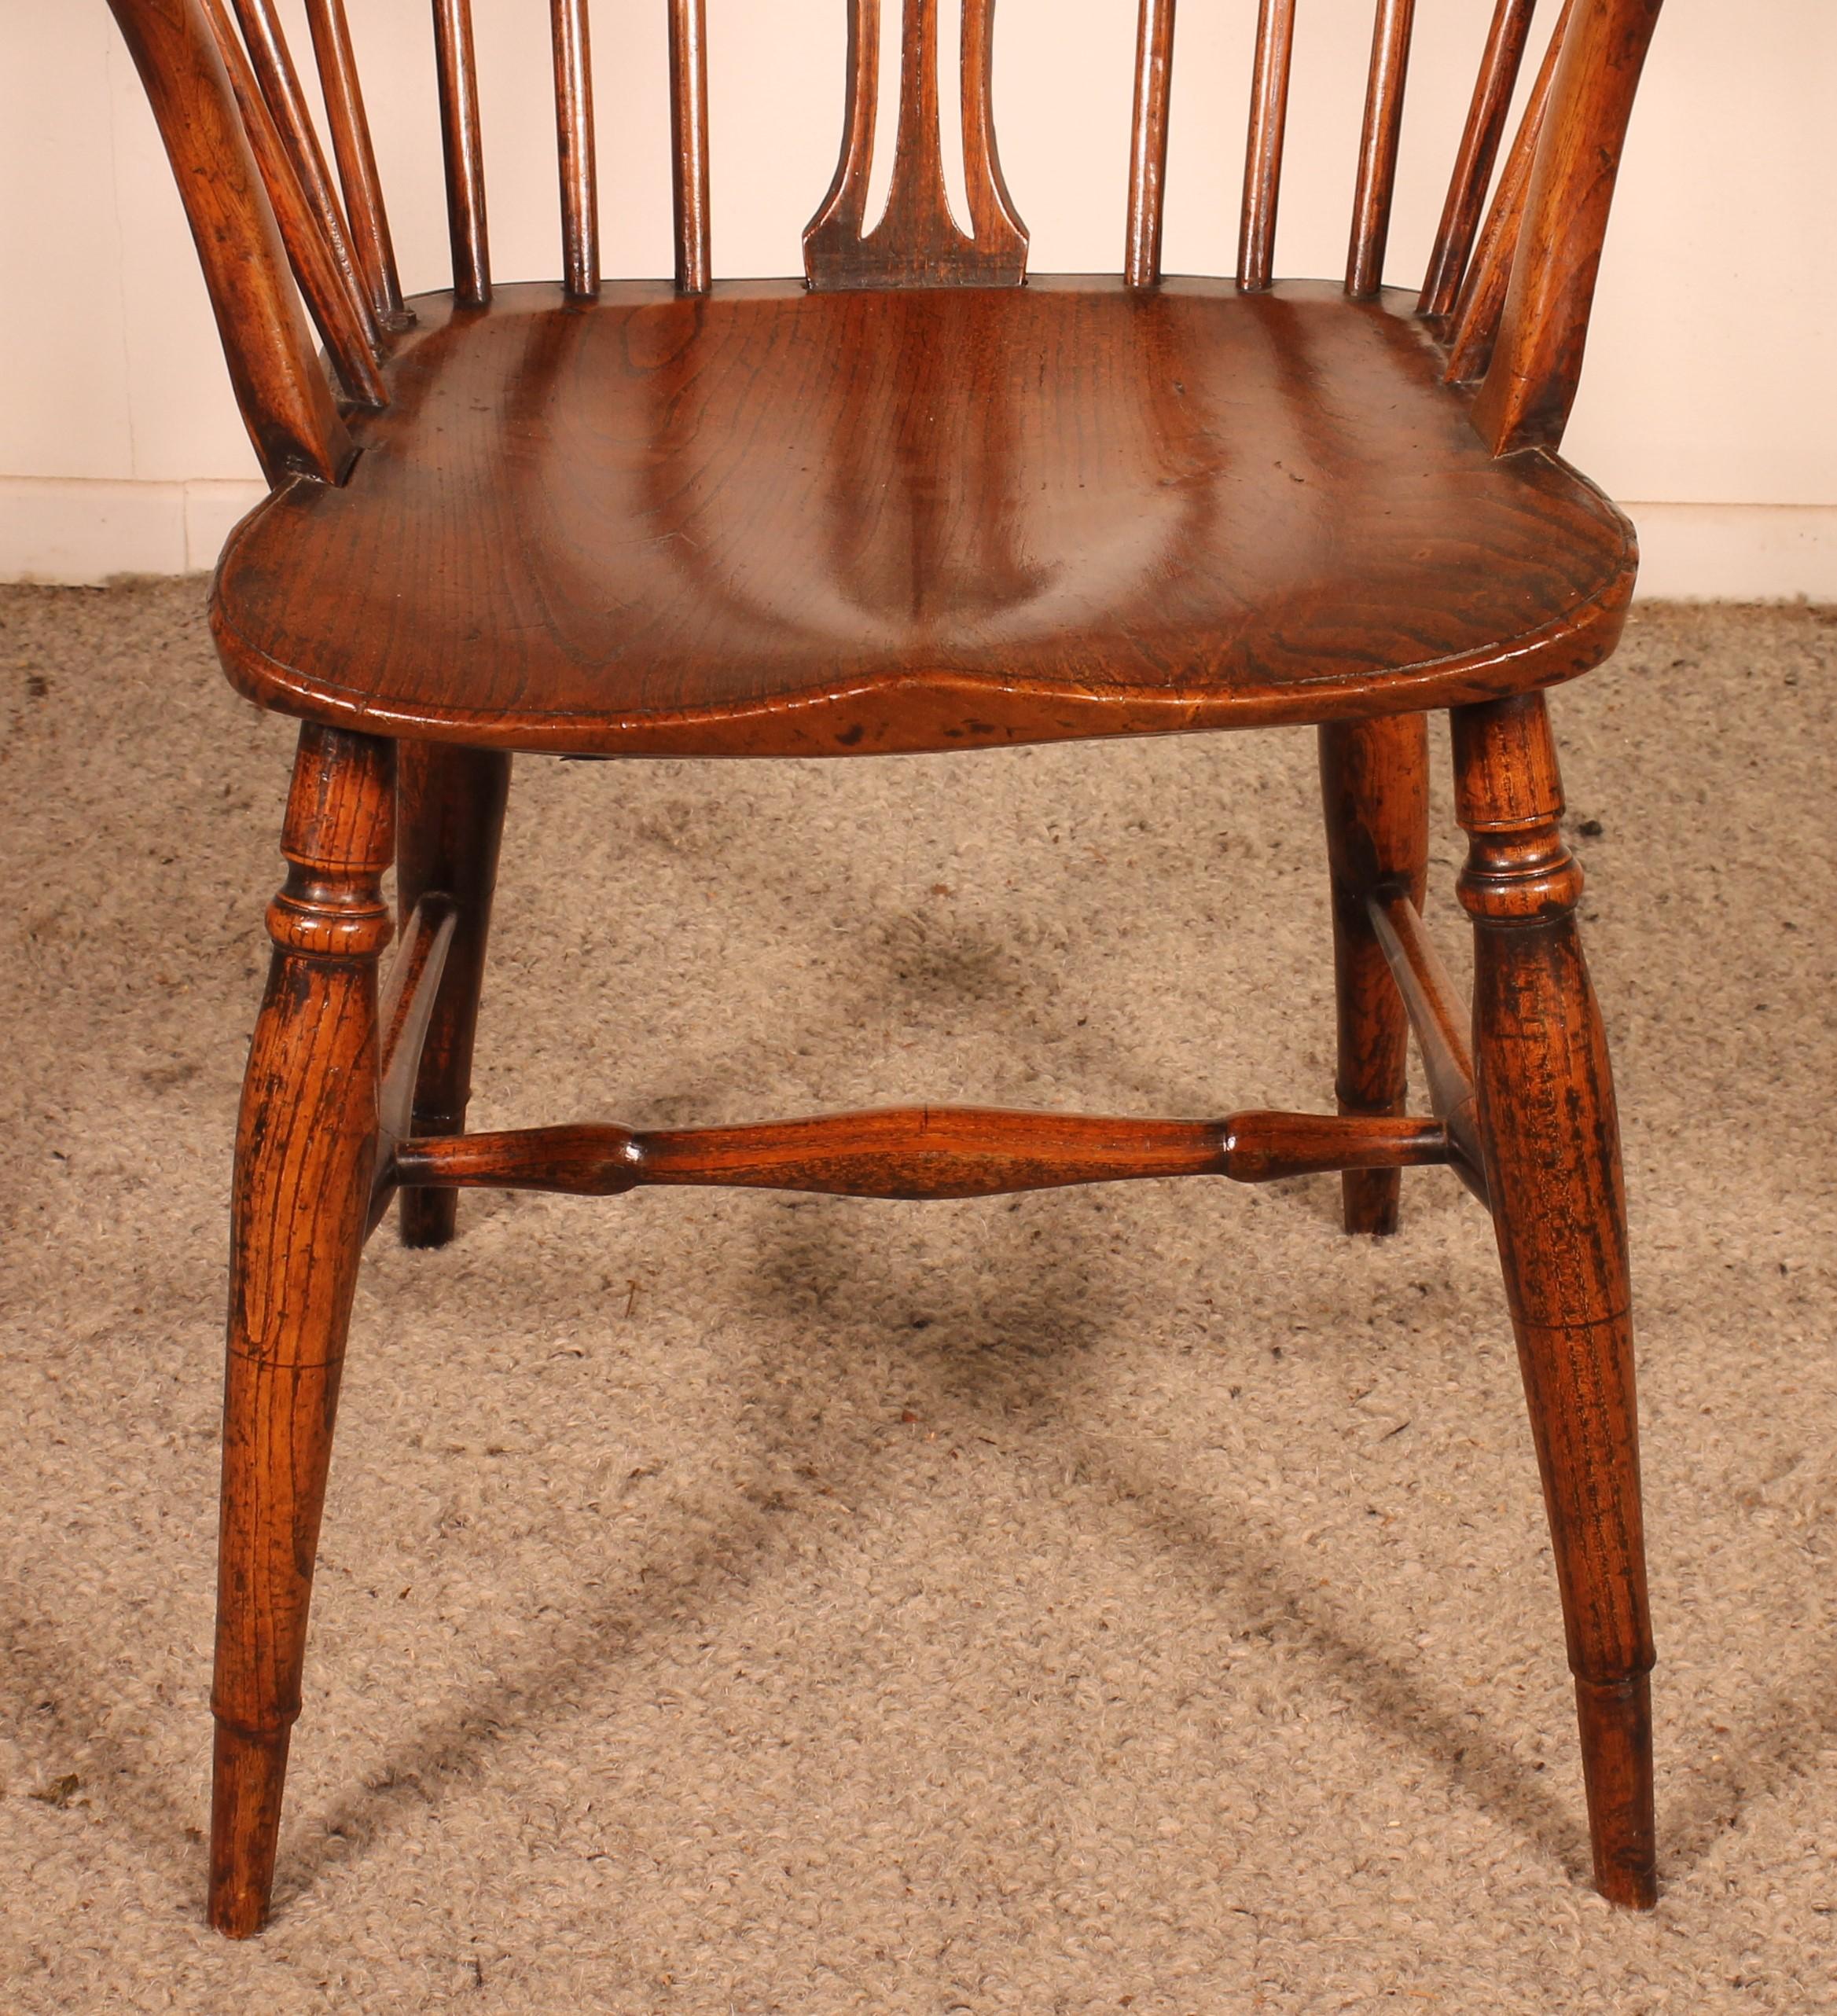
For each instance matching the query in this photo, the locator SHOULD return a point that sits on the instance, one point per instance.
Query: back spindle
(1530, 382)
(689, 133)
(370, 241)
(993, 220)
(336, 307)
(280, 387)
(574, 130)
(1481, 300)
(1147, 150)
(272, 64)
(1262, 160)
(457, 70)
(1479, 150)
(1378, 145)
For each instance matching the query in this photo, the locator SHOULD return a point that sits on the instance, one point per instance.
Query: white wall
(1707, 405)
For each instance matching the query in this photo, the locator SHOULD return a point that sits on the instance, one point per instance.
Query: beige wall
(1707, 401)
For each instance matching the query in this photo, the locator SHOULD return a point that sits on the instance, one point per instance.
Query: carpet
(1134, 1598)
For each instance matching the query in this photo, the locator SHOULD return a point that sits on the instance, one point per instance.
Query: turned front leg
(1375, 791)
(306, 1144)
(1551, 1142)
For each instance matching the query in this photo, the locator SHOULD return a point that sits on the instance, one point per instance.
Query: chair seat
(770, 522)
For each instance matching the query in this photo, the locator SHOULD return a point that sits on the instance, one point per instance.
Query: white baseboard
(52, 530)
(1736, 553)
(58, 530)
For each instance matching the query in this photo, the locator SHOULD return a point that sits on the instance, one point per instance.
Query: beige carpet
(1127, 1599)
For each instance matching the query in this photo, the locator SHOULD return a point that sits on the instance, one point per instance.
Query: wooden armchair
(913, 500)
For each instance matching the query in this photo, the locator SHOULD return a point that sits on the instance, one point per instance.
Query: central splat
(917, 242)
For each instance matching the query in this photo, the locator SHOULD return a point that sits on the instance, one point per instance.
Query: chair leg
(306, 1142)
(1552, 1146)
(452, 804)
(1375, 789)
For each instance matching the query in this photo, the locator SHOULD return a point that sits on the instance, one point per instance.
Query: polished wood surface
(1551, 1138)
(1375, 791)
(1378, 145)
(920, 1152)
(1439, 1024)
(372, 243)
(305, 1152)
(404, 1017)
(917, 240)
(1479, 153)
(574, 148)
(909, 503)
(1599, 45)
(916, 520)
(1148, 143)
(462, 148)
(1530, 383)
(280, 388)
(1262, 156)
(450, 807)
(324, 277)
(405, 1013)
(272, 62)
(688, 142)
(1479, 300)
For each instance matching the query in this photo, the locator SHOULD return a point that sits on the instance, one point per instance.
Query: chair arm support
(285, 399)
(1525, 399)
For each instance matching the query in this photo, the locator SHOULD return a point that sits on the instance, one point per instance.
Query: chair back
(1508, 290)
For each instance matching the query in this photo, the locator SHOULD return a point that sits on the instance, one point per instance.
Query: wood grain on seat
(767, 521)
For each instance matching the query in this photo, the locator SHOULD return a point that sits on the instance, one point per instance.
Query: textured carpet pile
(1135, 1598)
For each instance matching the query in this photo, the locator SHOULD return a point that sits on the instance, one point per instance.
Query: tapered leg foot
(428, 1218)
(248, 1775)
(1375, 792)
(305, 1149)
(1551, 1140)
(452, 821)
(1616, 1722)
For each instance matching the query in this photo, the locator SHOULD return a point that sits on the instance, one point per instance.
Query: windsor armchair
(913, 501)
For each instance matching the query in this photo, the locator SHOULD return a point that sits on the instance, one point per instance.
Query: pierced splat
(918, 242)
